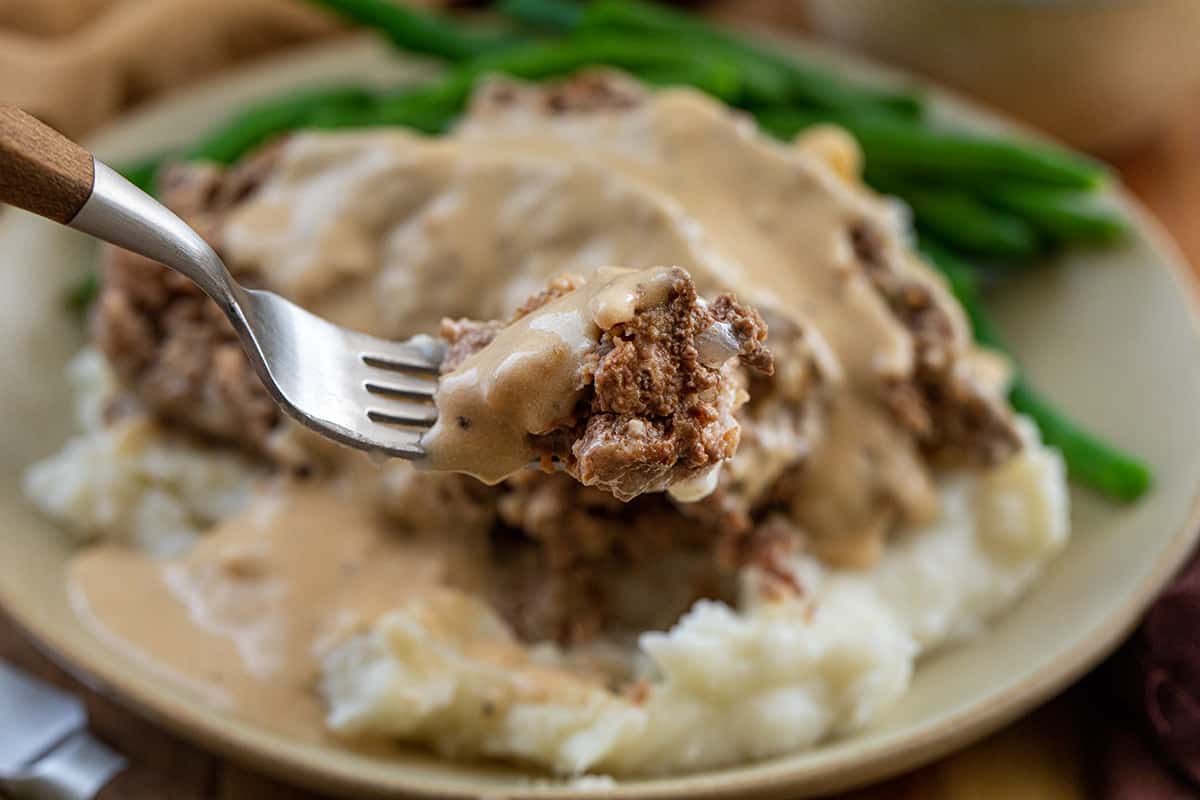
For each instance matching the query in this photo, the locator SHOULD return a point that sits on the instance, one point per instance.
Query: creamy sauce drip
(529, 379)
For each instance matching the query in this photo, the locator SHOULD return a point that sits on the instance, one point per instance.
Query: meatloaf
(830, 461)
(652, 396)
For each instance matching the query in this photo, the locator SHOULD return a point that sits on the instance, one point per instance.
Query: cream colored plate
(1111, 335)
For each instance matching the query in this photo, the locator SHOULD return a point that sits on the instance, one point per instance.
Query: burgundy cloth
(1149, 693)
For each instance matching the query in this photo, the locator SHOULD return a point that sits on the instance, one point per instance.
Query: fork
(362, 391)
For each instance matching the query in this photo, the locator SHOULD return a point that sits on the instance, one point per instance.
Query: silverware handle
(40, 169)
(84, 768)
(81, 767)
(44, 172)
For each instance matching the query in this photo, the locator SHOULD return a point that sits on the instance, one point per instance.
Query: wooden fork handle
(40, 169)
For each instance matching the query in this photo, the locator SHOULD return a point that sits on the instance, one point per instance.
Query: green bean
(426, 108)
(959, 219)
(552, 15)
(419, 31)
(761, 82)
(257, 124)
(767, 83)
(966, 224)
(143, 174)
(768, 77)
(252, 127)
(724, 86)
(973, 161)
(798, 82)
(1089, 460)
(710, 72)
(439, 96)
(80, 296)
(382, 117)
(1063, 215)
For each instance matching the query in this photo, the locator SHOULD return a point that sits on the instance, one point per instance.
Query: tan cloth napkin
(78, 63)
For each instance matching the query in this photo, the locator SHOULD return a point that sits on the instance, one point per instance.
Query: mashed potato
(723, 685)
(128, 481)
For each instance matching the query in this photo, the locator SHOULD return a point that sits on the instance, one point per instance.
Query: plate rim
(276, 755)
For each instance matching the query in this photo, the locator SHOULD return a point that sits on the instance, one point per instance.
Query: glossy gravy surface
(244, 617)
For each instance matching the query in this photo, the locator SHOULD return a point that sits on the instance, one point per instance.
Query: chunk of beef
(955, 422)
(573, 561)
(558, 287)
(174, 349)
(658, 413)
(749, 330)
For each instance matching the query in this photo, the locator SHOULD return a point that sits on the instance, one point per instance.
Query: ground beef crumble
(166, 341)
(657, 413)
(590, 91)
(955, 423)
(653, 413)
(572, 559)
(464, 337)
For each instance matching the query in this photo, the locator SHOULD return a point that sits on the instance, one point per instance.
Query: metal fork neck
(122, 214)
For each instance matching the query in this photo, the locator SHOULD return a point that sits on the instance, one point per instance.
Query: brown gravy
(242, 619)
(472, 224)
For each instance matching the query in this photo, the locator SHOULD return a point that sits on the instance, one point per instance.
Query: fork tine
(404, 414)
(401, 385)
(421, 353)
(399, 361)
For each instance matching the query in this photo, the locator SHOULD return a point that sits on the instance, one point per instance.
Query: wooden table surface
(1165, 174)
